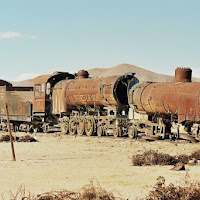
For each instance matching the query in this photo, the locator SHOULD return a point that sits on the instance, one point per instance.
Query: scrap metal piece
(149, 138)
(185, 136)
(178, 167)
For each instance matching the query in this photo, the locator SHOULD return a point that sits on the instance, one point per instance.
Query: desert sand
(68, 162)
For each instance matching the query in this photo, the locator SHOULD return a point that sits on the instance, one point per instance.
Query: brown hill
(27, 83)
(140, 73)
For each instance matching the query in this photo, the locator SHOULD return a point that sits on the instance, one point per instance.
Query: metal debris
(178, 167)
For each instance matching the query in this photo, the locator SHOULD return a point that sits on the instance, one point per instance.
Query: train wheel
(35, 130)
(65, 127)
(45, 128)
(132, 132)
(72, 126)
(100, 131)
(30, 130)
(117, 132)
(89, 125)
(15, 128)
(81, 125)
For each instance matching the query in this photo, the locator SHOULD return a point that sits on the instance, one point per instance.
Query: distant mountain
(25, 83)
(140, 73)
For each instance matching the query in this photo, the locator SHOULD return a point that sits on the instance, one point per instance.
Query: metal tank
(180, 98)
(84, 91)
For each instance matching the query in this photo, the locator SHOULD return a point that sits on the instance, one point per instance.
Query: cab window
(39, 89)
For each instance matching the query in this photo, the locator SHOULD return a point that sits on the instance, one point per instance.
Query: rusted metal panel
(39, 98)
(91, 92)
(2, 99)
(19, 102)
(181, 99)
(43, 91)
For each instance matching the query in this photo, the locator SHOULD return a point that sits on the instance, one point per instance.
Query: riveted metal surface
(43, 92)
(96, 91)
(19, 100)
(181, 99)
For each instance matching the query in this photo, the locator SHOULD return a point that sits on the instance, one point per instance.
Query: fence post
(9, 129)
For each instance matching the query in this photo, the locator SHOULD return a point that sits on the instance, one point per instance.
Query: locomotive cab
(43, 86)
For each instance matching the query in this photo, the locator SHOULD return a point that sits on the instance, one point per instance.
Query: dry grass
(187, 190)
(26, 138)
(195, 155)
(5, 138)
(89, 192)
(152, 157)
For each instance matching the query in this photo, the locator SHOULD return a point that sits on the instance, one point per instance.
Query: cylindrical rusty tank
(82, 91)
(183, 75)
(181, 99)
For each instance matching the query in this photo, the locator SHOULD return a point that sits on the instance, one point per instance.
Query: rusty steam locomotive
(115, 105)
(166, 110)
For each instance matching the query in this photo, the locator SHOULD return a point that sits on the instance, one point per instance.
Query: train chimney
(183, 75)
(82, 74)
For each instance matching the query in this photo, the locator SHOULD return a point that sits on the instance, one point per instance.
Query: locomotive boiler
(166, 109)
(93, 105)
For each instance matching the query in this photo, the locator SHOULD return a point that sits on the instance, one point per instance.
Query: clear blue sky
(42, 36)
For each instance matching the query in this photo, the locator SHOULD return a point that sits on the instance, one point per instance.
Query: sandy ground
(66, 162)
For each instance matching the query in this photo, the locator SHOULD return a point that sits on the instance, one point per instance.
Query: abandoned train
(76, 104)
(115, 105)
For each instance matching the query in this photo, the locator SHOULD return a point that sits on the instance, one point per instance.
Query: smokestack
(183, 75)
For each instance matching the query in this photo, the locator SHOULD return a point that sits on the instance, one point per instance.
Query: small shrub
(183, 158)
(89, 192)
(195, 155)
(187, 190)
(26, 138)
(152, 157)
(5, 138)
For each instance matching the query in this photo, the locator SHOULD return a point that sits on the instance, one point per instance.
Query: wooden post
(9, 129)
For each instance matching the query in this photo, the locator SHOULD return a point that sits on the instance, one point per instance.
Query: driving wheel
(132, 132)
(72, 126)
(117, 132)
(81, 125)
(89, 125)
(100, 131)
(65, 127)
